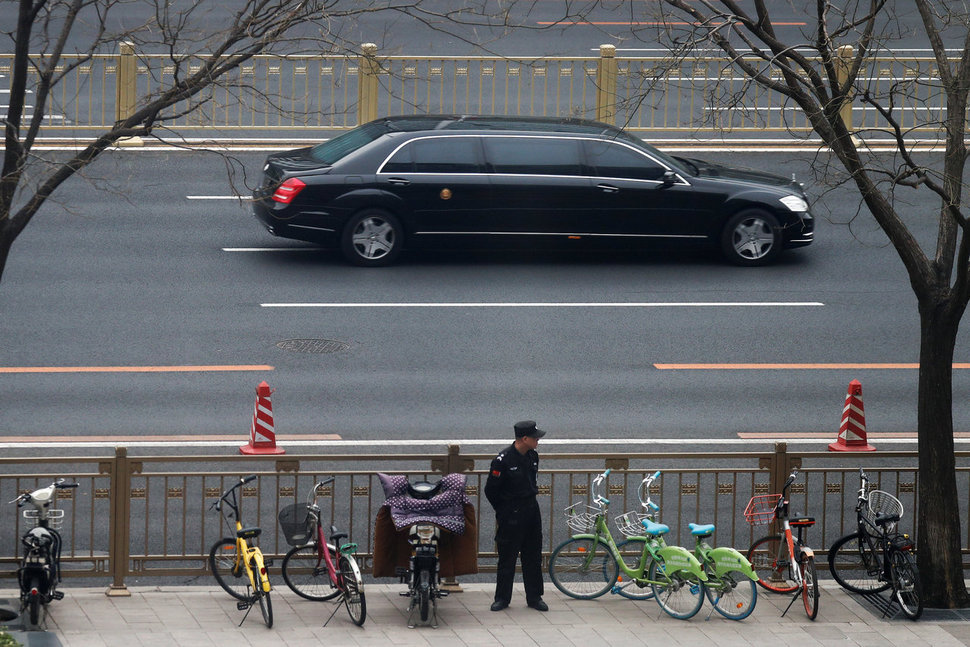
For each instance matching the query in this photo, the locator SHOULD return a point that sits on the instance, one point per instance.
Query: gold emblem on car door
(445, 194)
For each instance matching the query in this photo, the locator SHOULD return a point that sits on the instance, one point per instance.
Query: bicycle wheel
(354, 593)
(582, 568)
(228, 571)
(906, 585)
(856, 564)
(771, 562)
(305, 572)
(809, 586)
(262, 596)
(681, 595)
(631, 552)
(733, 595)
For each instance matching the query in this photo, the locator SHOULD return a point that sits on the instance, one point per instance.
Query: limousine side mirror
(669, 178)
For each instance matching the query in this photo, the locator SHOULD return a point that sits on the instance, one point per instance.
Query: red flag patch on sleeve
(496, 473)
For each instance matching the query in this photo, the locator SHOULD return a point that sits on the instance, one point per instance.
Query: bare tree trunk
(939, 549)
(6, 242)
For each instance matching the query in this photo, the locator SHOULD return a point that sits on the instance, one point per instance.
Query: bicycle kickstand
(336, 608)
(248, 607)
(798, 592)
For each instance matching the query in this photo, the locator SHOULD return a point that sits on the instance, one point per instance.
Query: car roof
(414, 123)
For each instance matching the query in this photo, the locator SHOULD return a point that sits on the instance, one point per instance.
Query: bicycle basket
(295, 523)
(631, 523)
(581, 517)
(761, 509)
(55, 517)
(884, 503)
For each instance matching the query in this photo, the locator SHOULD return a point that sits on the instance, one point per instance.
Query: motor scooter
(426, 518)
(423, 573)
(40, 565)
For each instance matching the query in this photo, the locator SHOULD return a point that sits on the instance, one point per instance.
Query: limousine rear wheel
(751, 237)
(371, 238)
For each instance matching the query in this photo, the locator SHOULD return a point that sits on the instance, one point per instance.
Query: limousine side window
(534, 155)
(436, 155)
(618, 161)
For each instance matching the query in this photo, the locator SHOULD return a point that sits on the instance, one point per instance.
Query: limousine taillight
(288, 190)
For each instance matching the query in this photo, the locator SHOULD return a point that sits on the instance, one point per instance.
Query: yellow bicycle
(239, 566)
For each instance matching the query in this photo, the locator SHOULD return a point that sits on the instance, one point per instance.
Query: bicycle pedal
(267, 563)
(443, 594)
(242, 606)
(57, 595)
(404, 594)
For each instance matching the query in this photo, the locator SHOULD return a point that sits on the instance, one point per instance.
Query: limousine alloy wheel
(751, 237)
(372, 238)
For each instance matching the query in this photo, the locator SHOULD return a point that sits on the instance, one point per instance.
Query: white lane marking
(619, 304)
(218, 197)
(271, 249)
(492, 442)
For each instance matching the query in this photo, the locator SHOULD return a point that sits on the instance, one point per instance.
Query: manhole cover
(318, 346)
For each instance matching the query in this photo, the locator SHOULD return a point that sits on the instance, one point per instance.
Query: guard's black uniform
(511, 489)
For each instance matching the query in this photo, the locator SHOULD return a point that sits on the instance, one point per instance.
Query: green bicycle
(730, 584)
(588, 564)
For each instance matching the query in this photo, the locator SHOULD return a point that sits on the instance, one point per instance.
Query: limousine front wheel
(372, 237)
(751, 237)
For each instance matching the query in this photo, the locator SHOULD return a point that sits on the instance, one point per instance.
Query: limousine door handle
(608, 188)
(400, 181)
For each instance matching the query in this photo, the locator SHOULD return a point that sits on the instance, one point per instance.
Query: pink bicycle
(317, 569)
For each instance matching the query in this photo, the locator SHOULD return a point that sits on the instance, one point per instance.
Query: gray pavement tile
(826, 631)
(961, 634)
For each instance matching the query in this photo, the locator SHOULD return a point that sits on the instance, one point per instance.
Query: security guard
(511, 489)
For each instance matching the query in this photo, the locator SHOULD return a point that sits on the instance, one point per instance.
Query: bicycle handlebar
(598, 498)
(645, 490)
(242, 481)
(863, 483)
(312, 494)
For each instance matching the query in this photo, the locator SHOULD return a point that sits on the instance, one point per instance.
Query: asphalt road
(137, 276)
(521, 28)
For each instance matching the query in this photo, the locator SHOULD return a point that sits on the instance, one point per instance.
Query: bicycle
(783, 563)
(875, 557)
(40, 565)
(237, 564)
(588, 564)
(318, 569)
(730, 585)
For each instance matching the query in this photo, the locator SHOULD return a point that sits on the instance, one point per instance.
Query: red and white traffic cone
(262, 436)
(852, 432)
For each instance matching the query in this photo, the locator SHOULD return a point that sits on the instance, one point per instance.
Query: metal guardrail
(320, 93)
(150, 516)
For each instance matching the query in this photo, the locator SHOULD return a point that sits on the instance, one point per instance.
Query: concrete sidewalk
(204, 616)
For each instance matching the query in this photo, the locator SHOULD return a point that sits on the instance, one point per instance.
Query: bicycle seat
(248, 533)
(802, 521)
(701, 530)
(655, 528)
(886, 519)
(336, 537)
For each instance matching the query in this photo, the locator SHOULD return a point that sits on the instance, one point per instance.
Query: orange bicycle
(783, 563)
